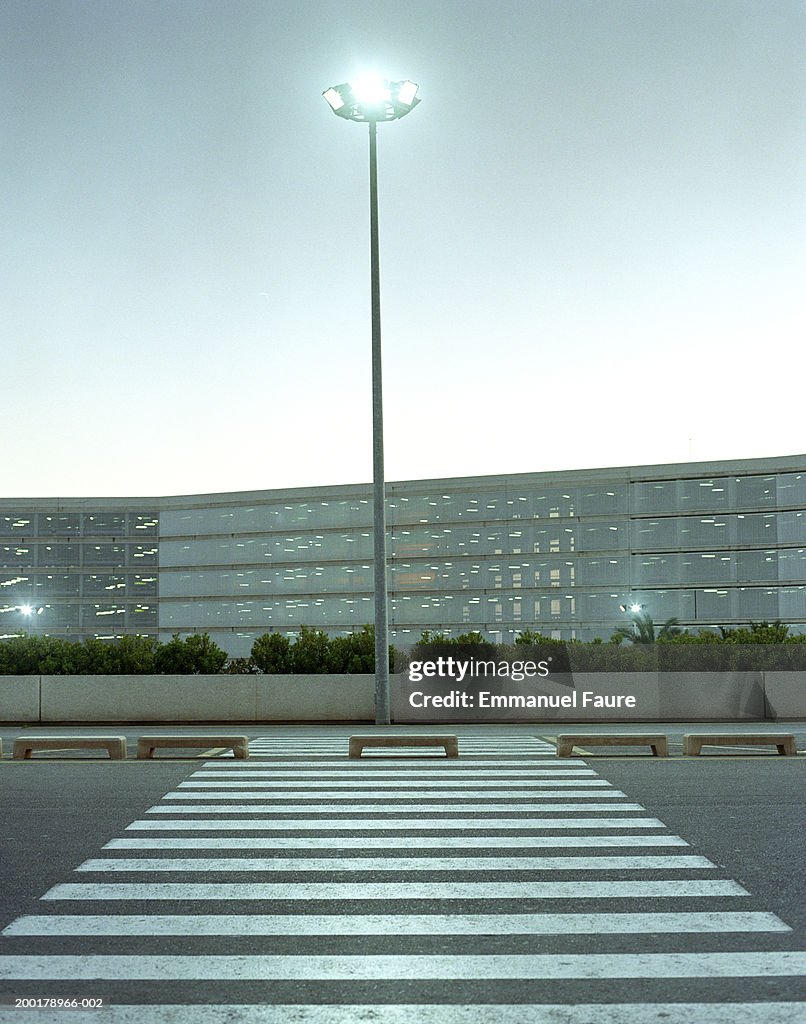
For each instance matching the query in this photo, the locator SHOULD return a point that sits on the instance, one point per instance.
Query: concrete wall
(19, 698)
(679, 696)
(785, 694)
(213, 698)
(657, 697)
(341, 698)
(684, 696)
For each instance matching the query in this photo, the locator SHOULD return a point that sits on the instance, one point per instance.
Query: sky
(592, 236)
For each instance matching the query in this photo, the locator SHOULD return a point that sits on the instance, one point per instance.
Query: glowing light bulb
(371, 90)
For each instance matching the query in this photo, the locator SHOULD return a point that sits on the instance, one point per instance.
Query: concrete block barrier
(146, 745)
(357, 743)
(115, 746)
(693, 742)
(657, 742)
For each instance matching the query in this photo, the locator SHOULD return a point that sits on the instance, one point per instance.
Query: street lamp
(26, 610)
(371, 99)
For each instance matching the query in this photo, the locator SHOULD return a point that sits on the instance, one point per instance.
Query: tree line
(638, 647)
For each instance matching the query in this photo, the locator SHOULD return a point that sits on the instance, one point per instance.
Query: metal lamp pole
(382, 708)
(370, 100)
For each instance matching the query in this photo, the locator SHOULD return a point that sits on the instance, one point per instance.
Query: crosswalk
(502, 886)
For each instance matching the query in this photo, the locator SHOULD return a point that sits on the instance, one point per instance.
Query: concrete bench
(357, 743)
(656, 741)
(114, 745)
(693, 742)
(146, 745)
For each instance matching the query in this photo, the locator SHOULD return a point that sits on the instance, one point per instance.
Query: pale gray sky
(592, 234)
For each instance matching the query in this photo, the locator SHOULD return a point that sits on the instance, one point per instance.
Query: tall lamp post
(370, 100)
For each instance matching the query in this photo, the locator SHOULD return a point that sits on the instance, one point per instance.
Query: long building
(712, 544)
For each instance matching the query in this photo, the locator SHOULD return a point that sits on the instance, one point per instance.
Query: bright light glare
(407, 92)
(635, 608)
(371, 90)
(333, 96)
(26, 609)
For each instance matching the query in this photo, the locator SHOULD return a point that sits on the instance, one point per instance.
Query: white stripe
(290, 752)
(461, 766)
(389, 842)
(421, 795)
(433, 1013)
(360, 784)
(394, 824)
(338, 746)
(412, 808)
(408, 864)
(391, 891)
(393, 924)
(415, 968)
(422, 758)
(466, 753)
(340, 742)
(261, 771)
(434, 753)
(519, 762)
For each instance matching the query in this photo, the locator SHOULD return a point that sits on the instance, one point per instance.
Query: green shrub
(133, 655)
(761, 646)
(240, 667)
(309, 653)
(272, 653)
(195, 655)
(354, 653)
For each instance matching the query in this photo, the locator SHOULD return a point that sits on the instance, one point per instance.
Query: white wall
(683, 696)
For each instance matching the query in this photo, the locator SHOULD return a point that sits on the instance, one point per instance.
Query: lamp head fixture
(372, 98)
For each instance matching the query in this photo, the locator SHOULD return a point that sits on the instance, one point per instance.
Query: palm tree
(641, 629)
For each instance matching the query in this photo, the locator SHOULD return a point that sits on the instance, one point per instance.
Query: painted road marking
(436, 1013)
(395, 924)
(391, 891)
(362, 770)
(781, 964)
(412, 808)
(470, 842)
(407, 864)
(381, 790)
(420, 795)
(358, 784)
(382, 824)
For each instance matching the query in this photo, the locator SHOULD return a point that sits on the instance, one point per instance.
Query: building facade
(712, 544)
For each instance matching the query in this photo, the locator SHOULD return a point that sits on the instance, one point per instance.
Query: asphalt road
(57, 813)
(745, 814)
